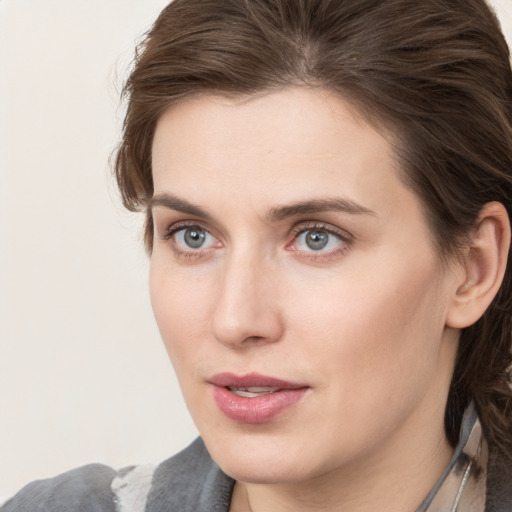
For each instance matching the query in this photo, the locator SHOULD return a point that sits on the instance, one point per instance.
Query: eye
(192, 238)
(319, 240)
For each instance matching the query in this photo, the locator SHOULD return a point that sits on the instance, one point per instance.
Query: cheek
(375, 328)
(181, 304)
(376, 340)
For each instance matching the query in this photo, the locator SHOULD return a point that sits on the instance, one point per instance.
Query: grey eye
(194, 237)
(316, 240)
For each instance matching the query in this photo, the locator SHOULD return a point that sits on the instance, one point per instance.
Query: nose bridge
(246, 308)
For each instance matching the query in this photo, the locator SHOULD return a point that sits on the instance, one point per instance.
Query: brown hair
(436, 71)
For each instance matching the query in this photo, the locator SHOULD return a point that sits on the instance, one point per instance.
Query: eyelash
(174, 229)
(345, 240)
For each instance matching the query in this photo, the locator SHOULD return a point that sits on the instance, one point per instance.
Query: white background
(83, 374)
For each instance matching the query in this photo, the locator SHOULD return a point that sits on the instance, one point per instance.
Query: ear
(483, 267)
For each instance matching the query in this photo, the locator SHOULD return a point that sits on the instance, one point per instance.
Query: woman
(327, 187)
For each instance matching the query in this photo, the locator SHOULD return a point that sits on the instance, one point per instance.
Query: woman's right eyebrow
(177, 204)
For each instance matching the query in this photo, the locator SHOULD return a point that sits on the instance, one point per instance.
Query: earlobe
(484, 266)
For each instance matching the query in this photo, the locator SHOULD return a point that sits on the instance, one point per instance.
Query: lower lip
(255, 410)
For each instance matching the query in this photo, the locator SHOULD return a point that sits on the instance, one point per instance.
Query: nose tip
(247, 312)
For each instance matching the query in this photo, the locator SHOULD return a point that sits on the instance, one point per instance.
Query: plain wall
(83, 374)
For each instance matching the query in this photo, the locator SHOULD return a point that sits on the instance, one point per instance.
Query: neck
(396, 479)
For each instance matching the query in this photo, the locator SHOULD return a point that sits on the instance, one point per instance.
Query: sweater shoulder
(190, 482)
(187, 482)
(84, 489)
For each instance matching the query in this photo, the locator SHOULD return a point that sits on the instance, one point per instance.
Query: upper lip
(252, 380)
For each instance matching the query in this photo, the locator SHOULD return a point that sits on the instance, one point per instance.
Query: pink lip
(259, 409)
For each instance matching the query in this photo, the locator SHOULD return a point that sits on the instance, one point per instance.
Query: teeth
(252, 392)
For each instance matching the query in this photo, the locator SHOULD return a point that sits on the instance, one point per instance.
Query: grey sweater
(188, 482)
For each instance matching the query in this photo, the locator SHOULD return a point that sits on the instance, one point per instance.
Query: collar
(462, 486)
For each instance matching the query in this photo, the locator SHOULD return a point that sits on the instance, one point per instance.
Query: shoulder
(85, 489)
(499, 483)
(189, 481)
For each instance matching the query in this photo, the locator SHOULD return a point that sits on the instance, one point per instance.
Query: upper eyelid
(173, 227)
(300, 227)
(330, 228)
(297, 228)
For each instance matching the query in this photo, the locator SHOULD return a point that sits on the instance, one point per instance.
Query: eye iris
(316, 240)
(194, 237)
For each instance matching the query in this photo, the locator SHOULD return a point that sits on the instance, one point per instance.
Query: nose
(247, 310)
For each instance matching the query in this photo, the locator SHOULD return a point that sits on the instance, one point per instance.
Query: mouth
(252, 392)
(254, 398)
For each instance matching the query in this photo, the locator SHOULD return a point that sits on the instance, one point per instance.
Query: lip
(256, 410)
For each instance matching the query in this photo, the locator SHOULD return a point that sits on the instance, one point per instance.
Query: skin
(363, 323)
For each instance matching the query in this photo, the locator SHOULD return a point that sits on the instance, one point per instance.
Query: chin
(265, 460)
(265, 471)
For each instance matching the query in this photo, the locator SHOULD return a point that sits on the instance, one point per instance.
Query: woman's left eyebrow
(344, 205)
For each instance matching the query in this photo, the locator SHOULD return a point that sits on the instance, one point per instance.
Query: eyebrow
(275, 214)
(317, 206)
(180, 205)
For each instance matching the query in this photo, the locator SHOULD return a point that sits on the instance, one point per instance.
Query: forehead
(282, 138)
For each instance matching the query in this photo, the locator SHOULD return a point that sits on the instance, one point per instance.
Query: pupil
(194, 237)
(316, 240)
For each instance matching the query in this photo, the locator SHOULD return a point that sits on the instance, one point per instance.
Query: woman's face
(296, 286)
